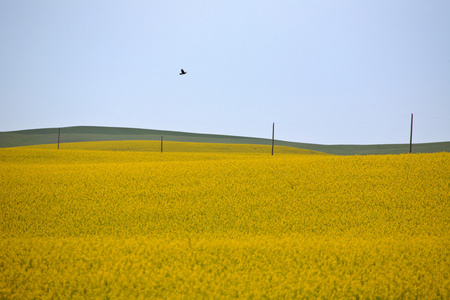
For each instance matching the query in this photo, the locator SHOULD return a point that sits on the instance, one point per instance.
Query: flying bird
(182, 72)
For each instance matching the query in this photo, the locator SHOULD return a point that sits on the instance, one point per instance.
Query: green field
(89, 133)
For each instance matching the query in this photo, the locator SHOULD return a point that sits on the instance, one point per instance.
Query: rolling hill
(93, 133)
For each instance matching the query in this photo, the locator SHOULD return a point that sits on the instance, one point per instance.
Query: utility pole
(273, 136)
(161, 144)
(410, 136)
(59, 132)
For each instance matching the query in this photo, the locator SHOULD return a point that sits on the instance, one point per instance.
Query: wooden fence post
(273, 136)
(410, 136)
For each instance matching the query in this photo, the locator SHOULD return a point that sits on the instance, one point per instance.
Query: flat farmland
(78, 223)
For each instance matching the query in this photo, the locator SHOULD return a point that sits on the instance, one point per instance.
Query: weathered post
(59, 132)
(410, 136)
(161, 144)
(273, 136)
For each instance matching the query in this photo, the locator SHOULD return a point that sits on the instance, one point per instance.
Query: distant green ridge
(94, 133)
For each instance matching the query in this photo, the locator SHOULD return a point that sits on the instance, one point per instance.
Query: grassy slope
(90, 133)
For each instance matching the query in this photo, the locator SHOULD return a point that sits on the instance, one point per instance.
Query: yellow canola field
(170, 146)
(115, 224)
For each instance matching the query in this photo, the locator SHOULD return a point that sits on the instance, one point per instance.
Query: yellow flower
(80, 223)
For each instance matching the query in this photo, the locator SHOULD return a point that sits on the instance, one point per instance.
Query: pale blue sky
(328, 72)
